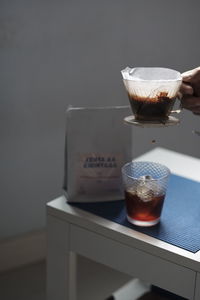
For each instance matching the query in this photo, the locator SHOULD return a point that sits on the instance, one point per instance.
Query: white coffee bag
(98, 144)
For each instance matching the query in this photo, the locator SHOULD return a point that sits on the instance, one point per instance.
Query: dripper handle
(179, 109)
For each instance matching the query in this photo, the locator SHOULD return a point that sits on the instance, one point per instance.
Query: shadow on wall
(61, 52)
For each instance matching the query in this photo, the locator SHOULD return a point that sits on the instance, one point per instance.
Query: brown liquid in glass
(140, 210)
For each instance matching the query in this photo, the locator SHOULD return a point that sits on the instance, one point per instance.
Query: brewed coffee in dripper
(152, 92)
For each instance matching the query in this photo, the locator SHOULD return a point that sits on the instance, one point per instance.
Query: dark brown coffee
(152, 109)
(140, 210)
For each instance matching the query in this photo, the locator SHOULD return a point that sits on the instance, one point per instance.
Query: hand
(190, 90)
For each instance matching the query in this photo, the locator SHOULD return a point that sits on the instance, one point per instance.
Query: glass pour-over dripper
(152, 93)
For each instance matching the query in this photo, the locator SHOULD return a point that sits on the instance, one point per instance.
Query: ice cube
(146, 177)
(132, 190)
(144, 192)
(144, 188)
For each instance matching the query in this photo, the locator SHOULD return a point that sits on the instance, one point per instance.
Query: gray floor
(28, 283)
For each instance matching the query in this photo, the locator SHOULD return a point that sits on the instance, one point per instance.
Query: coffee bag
(97, 145)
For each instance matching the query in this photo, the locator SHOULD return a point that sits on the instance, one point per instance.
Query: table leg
(73, 276)
(60, 262)
(197, 287)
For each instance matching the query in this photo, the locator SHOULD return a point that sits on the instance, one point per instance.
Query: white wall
(54, 53)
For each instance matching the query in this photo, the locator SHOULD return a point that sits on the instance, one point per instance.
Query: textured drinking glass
(152, 92)
(145, 185)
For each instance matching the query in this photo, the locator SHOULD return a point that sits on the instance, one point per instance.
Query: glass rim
(142, 162)
(153, 80)
(164, 69)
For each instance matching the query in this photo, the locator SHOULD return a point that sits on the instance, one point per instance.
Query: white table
(71, 230)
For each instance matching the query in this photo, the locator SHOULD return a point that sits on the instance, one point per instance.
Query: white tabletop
(180, 164)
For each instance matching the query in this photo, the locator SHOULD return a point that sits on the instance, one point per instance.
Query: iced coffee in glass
(145, 185)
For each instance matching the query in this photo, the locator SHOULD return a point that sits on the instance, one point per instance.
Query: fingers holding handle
(190, 90)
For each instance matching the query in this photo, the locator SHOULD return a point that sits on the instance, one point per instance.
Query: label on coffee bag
(99, 172)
